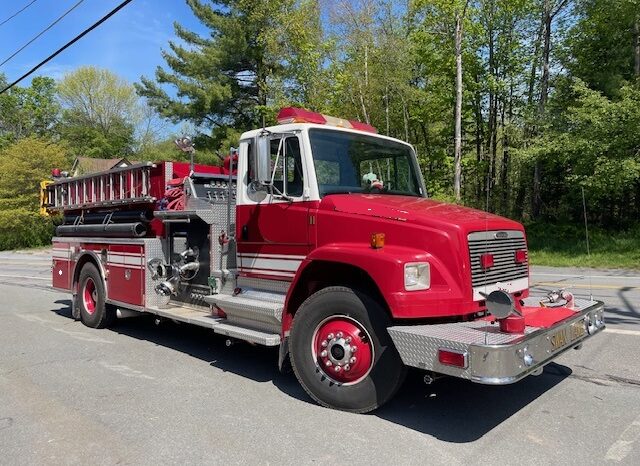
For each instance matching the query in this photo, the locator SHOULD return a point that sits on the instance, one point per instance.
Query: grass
(565, 246)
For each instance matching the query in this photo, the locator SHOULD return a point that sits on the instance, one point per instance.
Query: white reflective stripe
(271, 256)
(269, 264)
(113, 264)
(276, 273)
(510, 286)
(121, 259)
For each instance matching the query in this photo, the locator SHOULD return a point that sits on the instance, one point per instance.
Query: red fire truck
(315, 236)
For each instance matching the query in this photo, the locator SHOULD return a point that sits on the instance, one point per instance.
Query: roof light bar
(301, 115)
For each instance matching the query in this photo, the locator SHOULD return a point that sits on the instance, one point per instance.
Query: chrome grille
(503, 246)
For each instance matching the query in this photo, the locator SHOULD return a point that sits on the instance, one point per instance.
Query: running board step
(247, 334)
(263, 307)
(189, 316)
(219, 325)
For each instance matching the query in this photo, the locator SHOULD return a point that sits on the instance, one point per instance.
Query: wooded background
(512, 105)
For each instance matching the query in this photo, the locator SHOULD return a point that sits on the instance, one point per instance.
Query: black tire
(99, 315)
(386, 373)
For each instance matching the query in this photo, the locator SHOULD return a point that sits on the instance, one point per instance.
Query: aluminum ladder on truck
(118, 186)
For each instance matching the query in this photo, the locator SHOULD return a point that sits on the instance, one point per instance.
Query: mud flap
(75, 309)
(284, 364)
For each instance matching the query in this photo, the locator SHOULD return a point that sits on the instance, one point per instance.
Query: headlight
(417, 276)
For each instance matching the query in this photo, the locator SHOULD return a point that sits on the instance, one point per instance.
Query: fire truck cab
(315, 236)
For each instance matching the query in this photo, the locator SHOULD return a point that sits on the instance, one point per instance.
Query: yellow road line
(622, 331)
(595, 286)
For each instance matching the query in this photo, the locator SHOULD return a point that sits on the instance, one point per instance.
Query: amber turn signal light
(377, 240)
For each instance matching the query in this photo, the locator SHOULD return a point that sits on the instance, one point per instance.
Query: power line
(41, 32)
(18, 12)
(68, 44)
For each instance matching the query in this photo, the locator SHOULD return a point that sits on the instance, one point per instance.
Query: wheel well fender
(321, 274)
(84, 258)
(378, 272)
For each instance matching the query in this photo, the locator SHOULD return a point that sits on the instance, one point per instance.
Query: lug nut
(347, 367)
(354, 349)
(323, 354)
(330, 336)
(339, 335)
(337, 368)
(324, 343)
(328, 364)
(347, 340)
(352, 360)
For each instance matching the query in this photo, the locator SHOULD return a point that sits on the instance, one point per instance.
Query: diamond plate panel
(264, 296)
(479, 332)
(248, 308)
(494, 357)
(153, 248)
(276, 286)
(416, 350)
(418, 344)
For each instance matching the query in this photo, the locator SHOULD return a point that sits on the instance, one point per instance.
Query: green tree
(22, 166)
(590, 141)
(100, 113)
(238, 76)
(28, 111)
(605, 44)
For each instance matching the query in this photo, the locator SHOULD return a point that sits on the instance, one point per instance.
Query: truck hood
(416, 210)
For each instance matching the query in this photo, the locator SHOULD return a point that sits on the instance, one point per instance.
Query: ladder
(118, 186)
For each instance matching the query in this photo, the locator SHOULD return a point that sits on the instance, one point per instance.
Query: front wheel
(341, 351)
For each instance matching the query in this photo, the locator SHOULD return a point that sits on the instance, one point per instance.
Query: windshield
(357, 163)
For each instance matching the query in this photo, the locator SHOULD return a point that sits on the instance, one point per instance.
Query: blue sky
(128, 44)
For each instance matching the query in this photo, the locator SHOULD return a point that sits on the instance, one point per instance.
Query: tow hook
(538, 371)
(430, 377)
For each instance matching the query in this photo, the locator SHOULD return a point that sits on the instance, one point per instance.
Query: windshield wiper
(341, 191)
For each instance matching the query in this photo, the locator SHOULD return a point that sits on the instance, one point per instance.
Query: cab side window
(287, 161)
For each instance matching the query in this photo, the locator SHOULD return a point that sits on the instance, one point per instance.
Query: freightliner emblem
(501, 235)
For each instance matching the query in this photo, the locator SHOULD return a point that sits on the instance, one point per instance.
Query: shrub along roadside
(21, 228)
(566, 246)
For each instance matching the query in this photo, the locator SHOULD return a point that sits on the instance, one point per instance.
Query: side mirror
(262, 161)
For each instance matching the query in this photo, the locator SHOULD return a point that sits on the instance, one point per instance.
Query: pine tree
(234, 79)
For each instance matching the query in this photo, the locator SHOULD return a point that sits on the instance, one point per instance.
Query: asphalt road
(146, 394)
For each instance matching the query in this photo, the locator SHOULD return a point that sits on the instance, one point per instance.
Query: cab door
(272, 228)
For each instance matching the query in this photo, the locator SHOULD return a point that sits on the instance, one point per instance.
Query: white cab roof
(305, 126)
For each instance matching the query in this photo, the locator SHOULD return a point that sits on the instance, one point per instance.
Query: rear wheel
(94, 312)
(341, 351)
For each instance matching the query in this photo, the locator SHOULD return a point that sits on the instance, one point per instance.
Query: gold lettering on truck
(567, 335)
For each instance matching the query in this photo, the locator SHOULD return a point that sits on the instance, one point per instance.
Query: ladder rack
(124, 185)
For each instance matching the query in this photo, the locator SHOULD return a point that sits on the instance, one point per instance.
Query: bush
(21, 228)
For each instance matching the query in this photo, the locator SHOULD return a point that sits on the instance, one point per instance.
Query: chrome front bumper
(492, 357)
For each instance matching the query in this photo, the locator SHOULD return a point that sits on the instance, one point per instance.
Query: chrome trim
(126, 306)
(505, 358)
(536, 344)
(85, 240)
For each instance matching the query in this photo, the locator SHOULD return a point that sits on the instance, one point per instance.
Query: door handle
(245, 233)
